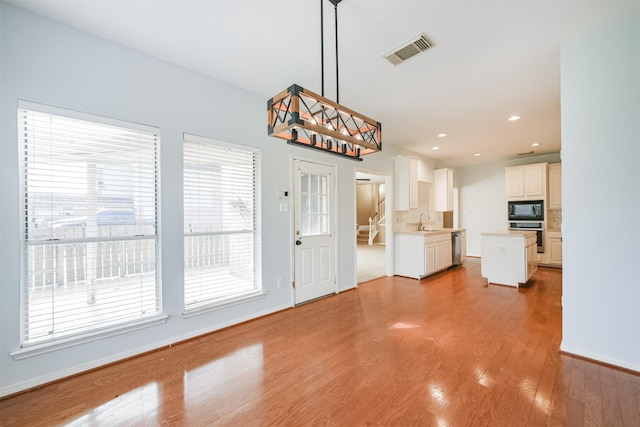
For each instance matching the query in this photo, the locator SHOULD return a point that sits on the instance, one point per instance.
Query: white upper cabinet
(514, 180)
(555, 186)
(443, 190)
(406, 183)
(526, 182)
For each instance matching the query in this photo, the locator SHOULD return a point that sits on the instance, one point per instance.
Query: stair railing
(373, 228)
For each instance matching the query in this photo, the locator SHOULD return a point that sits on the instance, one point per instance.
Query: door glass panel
(314, 200)
(314, 208)
(315, 226)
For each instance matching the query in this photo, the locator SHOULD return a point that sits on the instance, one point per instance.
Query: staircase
(363, 234)
(367, 233)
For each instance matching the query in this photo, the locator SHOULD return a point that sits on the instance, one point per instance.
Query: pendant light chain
(322, 44)
(335, 8)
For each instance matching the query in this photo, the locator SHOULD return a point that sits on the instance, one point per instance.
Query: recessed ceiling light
(478, 154)
(513, 118)
(535, 144)
(435, 148)
(442, 135)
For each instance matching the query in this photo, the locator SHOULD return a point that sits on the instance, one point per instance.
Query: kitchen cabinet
(554, 245)
(410, 258)
(443, 252)
(532, 260)
(420, 254)
(463, 245)
(406, 183)
(430, 258)
(508, 257)
(443, 183)
(555, 186)
(526, 182)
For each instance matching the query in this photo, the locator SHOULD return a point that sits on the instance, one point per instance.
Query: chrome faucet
(428, 218)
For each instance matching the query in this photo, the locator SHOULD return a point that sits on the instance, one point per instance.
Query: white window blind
(89, 220)
(221, 238)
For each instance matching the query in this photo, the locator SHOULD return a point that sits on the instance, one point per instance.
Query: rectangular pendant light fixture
(305, 118)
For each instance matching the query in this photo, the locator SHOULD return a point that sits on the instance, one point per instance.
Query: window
(221, 217)
(89, 224)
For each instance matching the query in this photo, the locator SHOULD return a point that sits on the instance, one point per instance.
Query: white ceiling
(491, 59)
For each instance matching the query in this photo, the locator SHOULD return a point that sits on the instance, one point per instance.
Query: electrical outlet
(279, 283)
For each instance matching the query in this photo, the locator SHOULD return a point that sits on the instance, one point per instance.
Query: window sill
(43, 348)
(223, 304)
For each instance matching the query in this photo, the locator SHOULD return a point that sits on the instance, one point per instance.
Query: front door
(314, 231)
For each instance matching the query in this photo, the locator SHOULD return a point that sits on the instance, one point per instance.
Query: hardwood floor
(445, 351)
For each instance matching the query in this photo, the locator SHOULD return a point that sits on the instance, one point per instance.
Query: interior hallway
(447, 350)
(371, 262)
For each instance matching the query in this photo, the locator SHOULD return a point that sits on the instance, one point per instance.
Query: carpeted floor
(371, 262)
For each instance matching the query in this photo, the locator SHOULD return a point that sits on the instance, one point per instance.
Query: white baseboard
(347, 288)
(600, 358)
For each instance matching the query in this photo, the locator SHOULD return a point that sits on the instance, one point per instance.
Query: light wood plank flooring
(449, 350)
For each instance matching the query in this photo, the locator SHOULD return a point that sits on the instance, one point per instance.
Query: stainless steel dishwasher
(456, 248)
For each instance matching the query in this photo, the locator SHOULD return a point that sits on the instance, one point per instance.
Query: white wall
(49, 63)
(483, 202)
(600, 81)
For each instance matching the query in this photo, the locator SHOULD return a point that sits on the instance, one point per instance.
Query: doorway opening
(371, 225)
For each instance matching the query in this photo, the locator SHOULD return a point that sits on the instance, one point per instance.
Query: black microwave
(532, 210)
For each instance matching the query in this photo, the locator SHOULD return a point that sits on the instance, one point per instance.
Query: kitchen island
(508, 257)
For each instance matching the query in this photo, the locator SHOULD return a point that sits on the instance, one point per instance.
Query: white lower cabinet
(463, 245)
(419, 255)
(430, 258)
(443, 254)
(554, 246)
(532, 261)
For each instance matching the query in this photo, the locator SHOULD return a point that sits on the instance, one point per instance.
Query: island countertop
(430, 231)
(509, 233)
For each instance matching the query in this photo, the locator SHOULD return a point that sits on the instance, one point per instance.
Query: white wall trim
(341, 290)
(599, 358)
(59, 344)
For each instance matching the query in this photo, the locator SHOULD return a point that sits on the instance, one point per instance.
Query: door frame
(292, 221)
(389, 212)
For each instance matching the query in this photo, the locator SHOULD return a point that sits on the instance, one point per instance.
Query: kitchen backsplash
(554, 221)
(409, 220)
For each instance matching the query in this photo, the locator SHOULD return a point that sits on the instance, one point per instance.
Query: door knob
(298, 242)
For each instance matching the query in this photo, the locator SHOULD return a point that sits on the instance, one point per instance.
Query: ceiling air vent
(411, 48)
